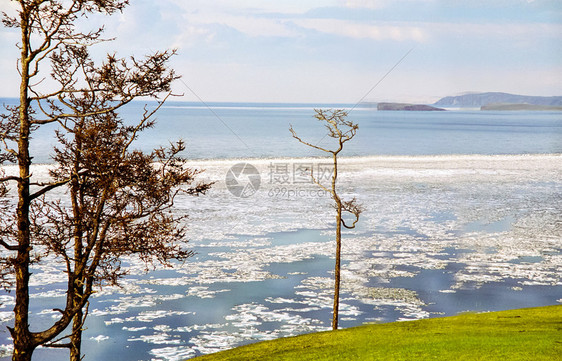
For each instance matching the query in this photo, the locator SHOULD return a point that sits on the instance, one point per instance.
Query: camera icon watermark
(243, 180)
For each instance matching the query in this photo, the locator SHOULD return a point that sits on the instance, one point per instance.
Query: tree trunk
(338, 244)
(337, 271)
(23, 343)
(22, 337)
(76, 337)
(78, 283)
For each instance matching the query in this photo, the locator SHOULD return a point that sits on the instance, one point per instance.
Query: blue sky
(336, 50)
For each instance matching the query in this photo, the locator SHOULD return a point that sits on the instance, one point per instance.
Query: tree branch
(48, 188)
(306, 143)
(57, 118)
(11, 178)
(319, 184)
(353, 208)
(56, 344)
(8, 246)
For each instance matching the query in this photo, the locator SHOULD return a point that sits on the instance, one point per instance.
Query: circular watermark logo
(243, 180)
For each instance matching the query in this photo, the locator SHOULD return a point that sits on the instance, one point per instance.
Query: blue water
(251, 130)
(255, 130)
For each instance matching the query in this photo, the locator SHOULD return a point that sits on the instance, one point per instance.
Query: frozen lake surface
(439, 235)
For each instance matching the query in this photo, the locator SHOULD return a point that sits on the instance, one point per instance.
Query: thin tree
(342, 131)
(119, 198)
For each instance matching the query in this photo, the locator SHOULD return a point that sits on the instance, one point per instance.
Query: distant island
(407, 107)
(490, 101)
(495, 99)
(520, 106)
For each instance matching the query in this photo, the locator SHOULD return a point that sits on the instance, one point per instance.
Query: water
(248, 130)
(262, 131)
(462, 213)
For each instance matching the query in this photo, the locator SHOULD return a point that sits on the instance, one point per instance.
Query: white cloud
(215, 52)
(377, 4)
(190, 35)
(286, 6)
(256, 6)
(510, 30)
(515, 33)
(385, 31)
(249, 25)
(368, 4)
(201, 20)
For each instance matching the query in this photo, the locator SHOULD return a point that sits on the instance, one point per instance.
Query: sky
(322, 51)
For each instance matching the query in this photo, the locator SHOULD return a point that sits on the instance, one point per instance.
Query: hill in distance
(477, 100)
(519, 106)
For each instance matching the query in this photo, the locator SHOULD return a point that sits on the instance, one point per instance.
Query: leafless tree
(119, 197)
(342, 131)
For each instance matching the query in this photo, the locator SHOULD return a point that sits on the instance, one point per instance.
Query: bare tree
(342, 131)
(119, 198)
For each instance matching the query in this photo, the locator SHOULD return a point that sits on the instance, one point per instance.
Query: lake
(463, 212)
(249, 130)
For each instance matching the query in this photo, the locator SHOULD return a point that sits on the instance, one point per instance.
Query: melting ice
(439, 235)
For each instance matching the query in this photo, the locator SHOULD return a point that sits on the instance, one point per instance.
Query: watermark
(243, 180)
(283, 179)
(288, 192)
(299, 173)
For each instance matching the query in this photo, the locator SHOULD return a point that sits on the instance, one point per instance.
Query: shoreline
(360, 158)
(375, 167)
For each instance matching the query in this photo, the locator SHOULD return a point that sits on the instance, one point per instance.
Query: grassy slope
(525, 334)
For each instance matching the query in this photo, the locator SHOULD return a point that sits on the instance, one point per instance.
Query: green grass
(525, 334)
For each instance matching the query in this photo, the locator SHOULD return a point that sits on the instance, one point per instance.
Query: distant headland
(501, 101)
(490, 101)
(521, 107)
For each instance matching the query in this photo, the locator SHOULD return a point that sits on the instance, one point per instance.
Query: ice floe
(100, 338)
